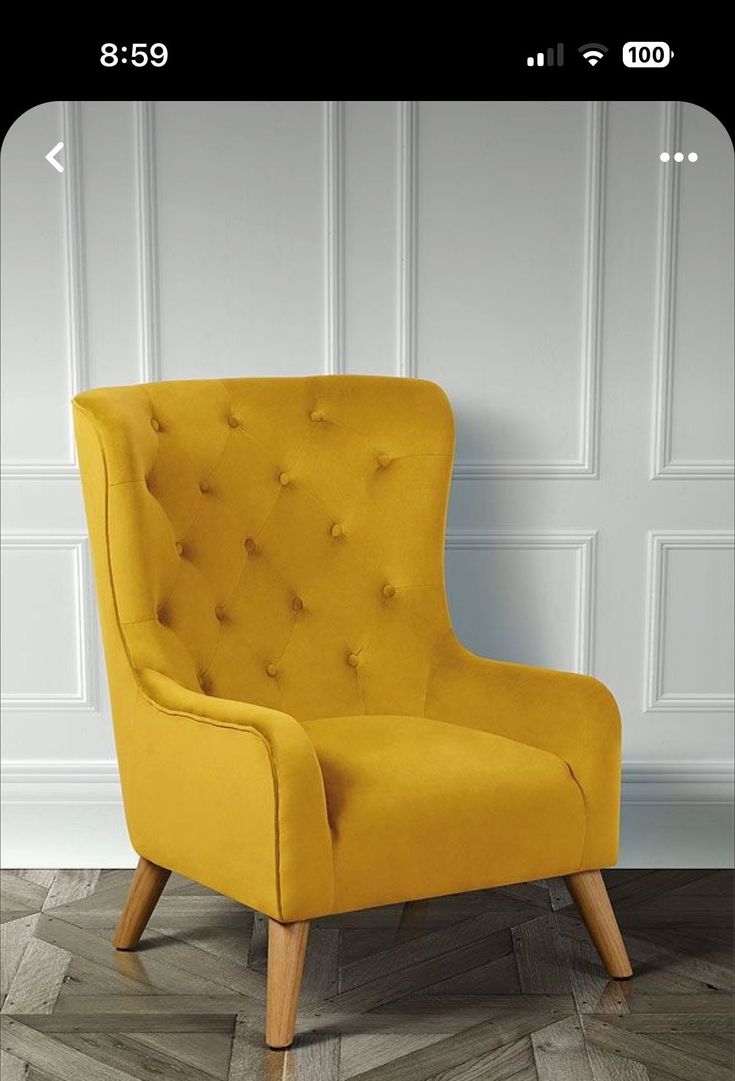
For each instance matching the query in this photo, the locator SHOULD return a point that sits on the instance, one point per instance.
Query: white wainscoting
(69, 813)
(573, 295)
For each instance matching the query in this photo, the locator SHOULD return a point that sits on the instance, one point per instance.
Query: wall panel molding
(69, 814)
(583, 543)
(146, 200)
(334, 242)
(86, 780)
(586, 465)
(663, 465)
(655, 697)
(86, 696)
(408, 120)
(75, 296)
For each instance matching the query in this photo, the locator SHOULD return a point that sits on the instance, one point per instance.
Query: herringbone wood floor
(489, 985)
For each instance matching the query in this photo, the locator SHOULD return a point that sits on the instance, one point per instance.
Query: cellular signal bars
(548, 60)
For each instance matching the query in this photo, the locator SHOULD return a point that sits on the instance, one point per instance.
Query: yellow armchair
(296, 724)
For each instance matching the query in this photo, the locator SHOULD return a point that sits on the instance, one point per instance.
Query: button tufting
(203, 486)
(316, 415)
(234, 422)
(284, 479)
(353, 660)
(179, 548)
(389, 591)
(162, 616)
(249, 544)
(384, 460)
(297, 604)
(337, 530)
(155, 425)
(271, 670)
(219, 611)
(205, 684)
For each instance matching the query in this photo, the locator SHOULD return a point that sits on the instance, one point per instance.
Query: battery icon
(646, 54)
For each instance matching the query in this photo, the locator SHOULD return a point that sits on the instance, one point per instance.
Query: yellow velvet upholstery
(297, 725)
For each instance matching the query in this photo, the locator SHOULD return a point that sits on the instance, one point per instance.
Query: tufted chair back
(276, 541)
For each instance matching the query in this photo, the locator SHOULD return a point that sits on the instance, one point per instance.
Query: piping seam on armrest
(584, 808)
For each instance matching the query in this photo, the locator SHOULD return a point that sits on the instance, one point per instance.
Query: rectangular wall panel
(371, 268)
(42, 300)
(507, 291)
(525, 597)
(695, 396)
(112, 242)
(47, 630)
(240, 237)
(691, 616)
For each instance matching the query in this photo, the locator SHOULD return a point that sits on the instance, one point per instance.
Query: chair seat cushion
(420, 808)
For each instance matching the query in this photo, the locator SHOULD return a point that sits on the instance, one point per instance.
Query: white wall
(572, 294)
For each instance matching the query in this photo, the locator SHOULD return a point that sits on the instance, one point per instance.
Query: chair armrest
(573, 716)
(230, 794)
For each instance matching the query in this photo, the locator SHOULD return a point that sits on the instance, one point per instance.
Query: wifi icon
(592, 53)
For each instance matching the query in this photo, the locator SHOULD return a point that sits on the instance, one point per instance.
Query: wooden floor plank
(395, 984)
(19, 897)
(542, 967)
(501, 1064)
(321, 968)
(12, 1068)
(714, 1048)
(460, 1049)
(650, 885)
(130, 1022)
(654, 1023)
(146, 1005)
(361, 1051)
(651, 1053)
(559, 1052)
(607, 1066)
(559, 894)
(708, 1002)
(225, 974)
(496, 977)
(41, 876)
(15, 935)
(38, 980)
(69, 886)
(146, 965)
(85, 977)
(129, 1055)
(208, 1052)
(489, 1050)
(52, 1057)
(250, 1058)
(431, 944)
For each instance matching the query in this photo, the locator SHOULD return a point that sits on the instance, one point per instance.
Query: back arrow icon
(51, 157)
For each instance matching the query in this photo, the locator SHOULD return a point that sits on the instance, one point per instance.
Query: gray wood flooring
(500, 984)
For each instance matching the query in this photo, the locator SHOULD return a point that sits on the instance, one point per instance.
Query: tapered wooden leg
(286, 952)
(145, 889)
(590, 896)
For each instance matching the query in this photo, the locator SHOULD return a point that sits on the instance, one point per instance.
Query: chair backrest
(277, 541)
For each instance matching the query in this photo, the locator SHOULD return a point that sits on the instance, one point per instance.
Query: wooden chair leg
(286, 952)
(145, 889)
(590, 896)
